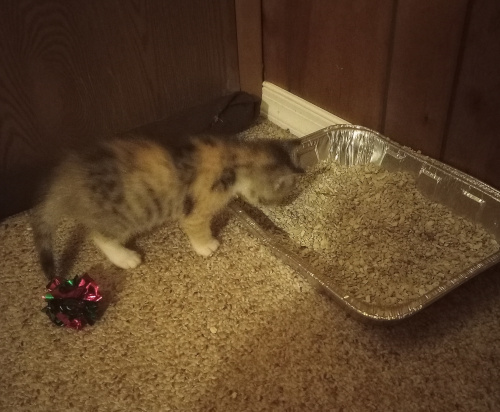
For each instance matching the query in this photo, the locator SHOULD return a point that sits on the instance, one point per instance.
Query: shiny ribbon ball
(72, 303)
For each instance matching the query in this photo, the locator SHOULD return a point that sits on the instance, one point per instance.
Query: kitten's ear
(291, 146)
(283, 182)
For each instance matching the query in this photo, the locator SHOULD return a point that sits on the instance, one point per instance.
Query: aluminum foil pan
(351, 145)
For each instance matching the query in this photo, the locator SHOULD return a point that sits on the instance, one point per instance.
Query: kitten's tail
(43, 225)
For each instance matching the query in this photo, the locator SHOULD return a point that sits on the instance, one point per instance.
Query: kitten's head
(270, 178)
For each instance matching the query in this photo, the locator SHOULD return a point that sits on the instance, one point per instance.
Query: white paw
(126, 259)
(206, 249)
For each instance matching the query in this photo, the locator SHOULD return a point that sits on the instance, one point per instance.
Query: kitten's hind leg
(118, 254)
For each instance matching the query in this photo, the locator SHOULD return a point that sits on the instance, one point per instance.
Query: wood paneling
(426, 46)
(73, 70)
(473, 139)
(333, 53)
(426, 73)
(249, 31)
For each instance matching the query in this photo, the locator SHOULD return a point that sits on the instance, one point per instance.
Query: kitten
(126, 186)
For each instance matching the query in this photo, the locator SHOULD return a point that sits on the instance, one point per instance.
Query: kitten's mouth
(278, 201)
(262, 201)
(274, 202)
(252, 200)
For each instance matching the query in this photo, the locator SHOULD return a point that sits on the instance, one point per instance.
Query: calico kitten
(123, 187)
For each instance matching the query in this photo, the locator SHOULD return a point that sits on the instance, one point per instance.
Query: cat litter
(383, 230)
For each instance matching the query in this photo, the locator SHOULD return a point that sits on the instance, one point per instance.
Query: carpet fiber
(238, 331)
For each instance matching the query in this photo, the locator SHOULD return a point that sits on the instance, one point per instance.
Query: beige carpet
(239, 331)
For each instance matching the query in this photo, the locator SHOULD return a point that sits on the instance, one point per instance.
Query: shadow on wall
(226, 115)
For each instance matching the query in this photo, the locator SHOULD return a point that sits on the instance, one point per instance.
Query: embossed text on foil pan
(351, 145)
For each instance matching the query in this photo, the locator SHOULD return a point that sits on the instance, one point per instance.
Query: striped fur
(123, 187)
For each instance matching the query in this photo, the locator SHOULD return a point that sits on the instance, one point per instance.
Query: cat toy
(72, 303)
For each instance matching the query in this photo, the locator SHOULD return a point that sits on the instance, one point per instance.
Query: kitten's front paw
(206, 249)
(126, 259)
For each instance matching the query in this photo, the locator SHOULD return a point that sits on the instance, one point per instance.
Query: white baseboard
(294, 113)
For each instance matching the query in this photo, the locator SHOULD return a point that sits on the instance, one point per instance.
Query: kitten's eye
(281, 184)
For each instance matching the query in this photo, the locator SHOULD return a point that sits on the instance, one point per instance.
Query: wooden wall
(72, 70)
(426, 73)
